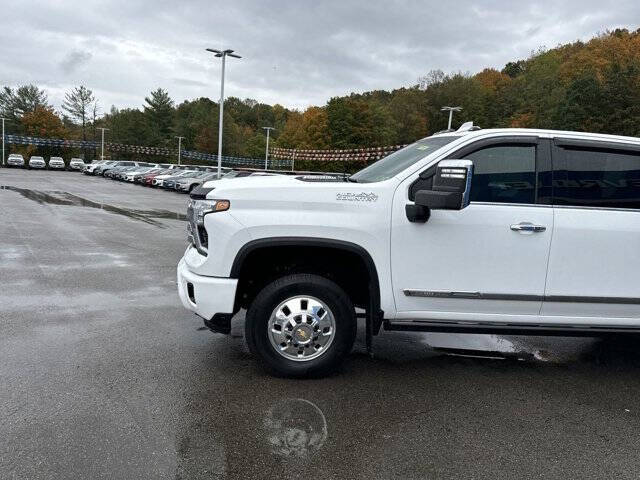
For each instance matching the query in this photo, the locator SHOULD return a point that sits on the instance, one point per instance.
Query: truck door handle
(528, 227)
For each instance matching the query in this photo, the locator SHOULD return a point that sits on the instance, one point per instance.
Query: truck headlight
(203, 207)
(196, 211)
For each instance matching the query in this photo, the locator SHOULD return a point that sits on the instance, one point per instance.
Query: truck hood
(283, 191)
(267, 181)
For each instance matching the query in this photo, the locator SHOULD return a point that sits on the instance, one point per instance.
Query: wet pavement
(104, 375)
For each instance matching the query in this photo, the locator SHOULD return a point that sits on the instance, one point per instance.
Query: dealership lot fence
(112, 148)
(280, 158)
(362, 155)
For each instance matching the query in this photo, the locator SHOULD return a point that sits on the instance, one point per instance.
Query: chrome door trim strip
(413, 292)
(581, 299)
(539, 205)
(505, 204)
(597, 143)
(586, 207)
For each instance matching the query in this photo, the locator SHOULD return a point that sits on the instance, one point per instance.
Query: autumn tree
(292, 132)
(43, 122)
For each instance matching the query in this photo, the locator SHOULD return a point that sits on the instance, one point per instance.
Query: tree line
(585, 86)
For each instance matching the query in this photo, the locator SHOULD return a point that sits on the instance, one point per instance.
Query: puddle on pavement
(502, 348)
(57, 197)
(295, 427)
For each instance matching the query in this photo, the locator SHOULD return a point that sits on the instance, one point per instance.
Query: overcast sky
(296, 53)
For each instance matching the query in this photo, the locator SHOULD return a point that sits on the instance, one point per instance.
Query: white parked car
(56, 163)
(76, 164)
(158, 181)
(486, 231)
(15, 160)
(89, 168)
(37, 162)
(130, 175)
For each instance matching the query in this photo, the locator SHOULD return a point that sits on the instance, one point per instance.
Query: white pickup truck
(486, 231)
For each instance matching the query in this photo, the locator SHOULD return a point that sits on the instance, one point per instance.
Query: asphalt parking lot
(104, 375)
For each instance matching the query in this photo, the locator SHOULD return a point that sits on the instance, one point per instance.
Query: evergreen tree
(77, 103)
(159, 111)
(14, 104)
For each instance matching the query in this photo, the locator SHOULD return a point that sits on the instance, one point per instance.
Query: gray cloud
(295, 53)
(189, 83)
(73, 60)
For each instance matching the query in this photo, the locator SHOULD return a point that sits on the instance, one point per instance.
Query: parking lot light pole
(102, 143)
(179, 148)
(450, 110)
(221, 54)
(3, 119)
(266, 150)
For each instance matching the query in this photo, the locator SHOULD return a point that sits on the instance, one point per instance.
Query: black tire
(272, 295)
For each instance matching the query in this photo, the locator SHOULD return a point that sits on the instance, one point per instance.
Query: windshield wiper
(349, 179)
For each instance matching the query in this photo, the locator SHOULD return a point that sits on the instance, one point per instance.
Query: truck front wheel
(301, 325)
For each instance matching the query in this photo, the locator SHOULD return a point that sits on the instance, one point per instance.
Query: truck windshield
(393, 164)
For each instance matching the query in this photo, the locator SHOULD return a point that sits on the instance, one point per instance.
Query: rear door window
(591, 177)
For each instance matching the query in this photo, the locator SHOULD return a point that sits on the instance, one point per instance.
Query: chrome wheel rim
(301, 328)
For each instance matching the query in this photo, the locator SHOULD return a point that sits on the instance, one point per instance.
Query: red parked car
(148, 178)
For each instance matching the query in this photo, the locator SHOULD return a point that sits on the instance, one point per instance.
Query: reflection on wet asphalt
(66, 198)
(105, 375)
(295, 427)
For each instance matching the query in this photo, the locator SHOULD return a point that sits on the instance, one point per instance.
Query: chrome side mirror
(450, 190)
(451, 186)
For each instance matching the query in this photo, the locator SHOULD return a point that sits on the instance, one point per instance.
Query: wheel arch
(374, 315)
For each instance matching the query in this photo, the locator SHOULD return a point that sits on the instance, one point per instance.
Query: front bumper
(37, 165)
(57, 166)
(205, 296)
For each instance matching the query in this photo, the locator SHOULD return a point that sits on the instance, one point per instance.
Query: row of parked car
(180, 178)
(35, 161)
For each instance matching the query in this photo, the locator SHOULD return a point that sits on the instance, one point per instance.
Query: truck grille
(204, 237)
